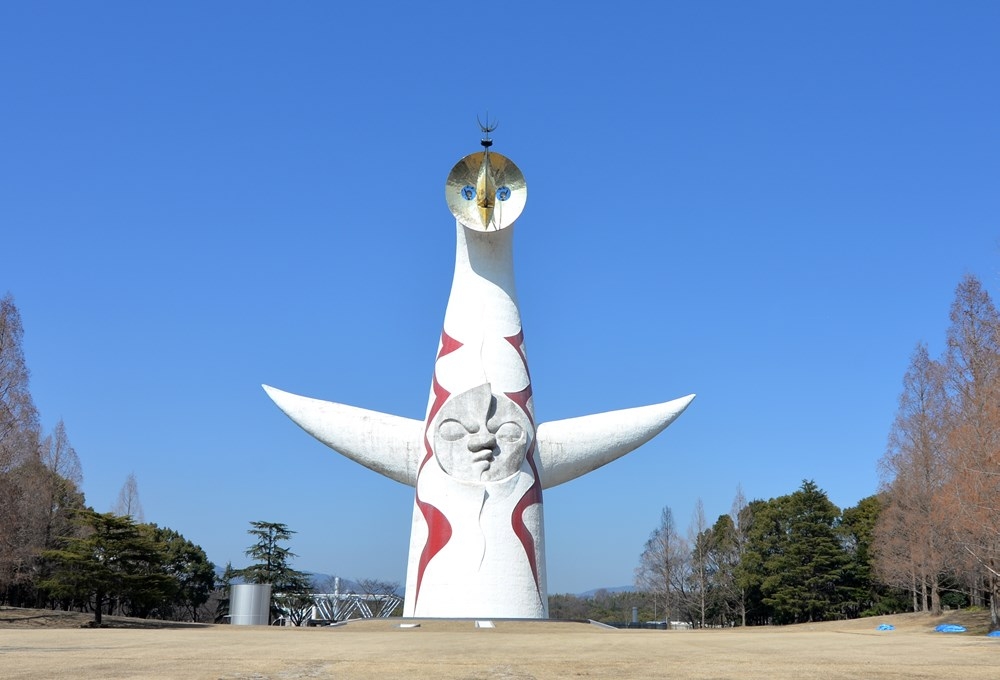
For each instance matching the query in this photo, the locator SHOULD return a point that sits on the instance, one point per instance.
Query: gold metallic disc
(486, 191)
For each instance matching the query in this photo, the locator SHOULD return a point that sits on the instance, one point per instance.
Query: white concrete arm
(390, 445)
(573, 447)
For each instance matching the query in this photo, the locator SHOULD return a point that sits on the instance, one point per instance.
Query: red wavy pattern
(438, 527)
(534, 493)
(517, 342)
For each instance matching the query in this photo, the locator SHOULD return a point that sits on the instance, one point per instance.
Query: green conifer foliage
(796, 550)
(114, 564)
(290, 588)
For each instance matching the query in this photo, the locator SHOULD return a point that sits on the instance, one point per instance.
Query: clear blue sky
(768, 204)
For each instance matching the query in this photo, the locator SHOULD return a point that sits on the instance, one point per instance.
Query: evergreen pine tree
(290, 588)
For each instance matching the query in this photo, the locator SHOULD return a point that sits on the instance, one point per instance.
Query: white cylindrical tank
(250, 604)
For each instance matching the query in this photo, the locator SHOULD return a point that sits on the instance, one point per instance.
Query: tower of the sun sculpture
(478, 461)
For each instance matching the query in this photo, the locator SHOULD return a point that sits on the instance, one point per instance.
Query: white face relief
(481, 437)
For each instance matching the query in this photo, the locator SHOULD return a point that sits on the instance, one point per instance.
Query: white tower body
(477, 460)
(469, 535)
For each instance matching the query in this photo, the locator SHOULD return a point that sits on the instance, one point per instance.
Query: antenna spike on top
(487, 129)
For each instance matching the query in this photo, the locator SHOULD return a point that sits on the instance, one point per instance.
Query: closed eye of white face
(452, 430)
(510, 432)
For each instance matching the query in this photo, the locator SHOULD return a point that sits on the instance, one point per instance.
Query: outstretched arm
(387, 444)
(575, 446)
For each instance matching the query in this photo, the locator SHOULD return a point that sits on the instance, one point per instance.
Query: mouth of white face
(486, 456)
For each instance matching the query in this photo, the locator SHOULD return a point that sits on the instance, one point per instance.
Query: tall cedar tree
(794, 542)
(764, 534)
(290, 587)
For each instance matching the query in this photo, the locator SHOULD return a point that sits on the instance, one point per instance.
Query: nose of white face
(482, 440)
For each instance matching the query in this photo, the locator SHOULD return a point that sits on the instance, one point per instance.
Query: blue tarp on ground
(886, 626)
(950, 628)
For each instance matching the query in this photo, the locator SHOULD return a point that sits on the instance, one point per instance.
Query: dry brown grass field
(39, 644)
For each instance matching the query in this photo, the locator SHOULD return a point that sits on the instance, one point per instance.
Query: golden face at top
(481, 437)
(486, 191)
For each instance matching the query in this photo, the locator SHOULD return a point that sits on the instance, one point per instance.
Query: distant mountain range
(611, 589)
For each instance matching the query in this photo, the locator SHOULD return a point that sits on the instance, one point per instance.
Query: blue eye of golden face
(503, 193)
(469, 192)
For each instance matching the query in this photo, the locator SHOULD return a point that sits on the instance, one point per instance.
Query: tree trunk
(935, 596)
(98, 607)
(994, 602)
(976, 591)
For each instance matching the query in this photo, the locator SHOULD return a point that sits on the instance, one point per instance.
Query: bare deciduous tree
(663, 565)
(941, 471)
(128, 504)
(914, 542)
(700, 539)
(973, 491)
(740, 513)
(18, 416)
(59, 485)
(374, 586)
(59, 456)
(19, 434)
(377, 590)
